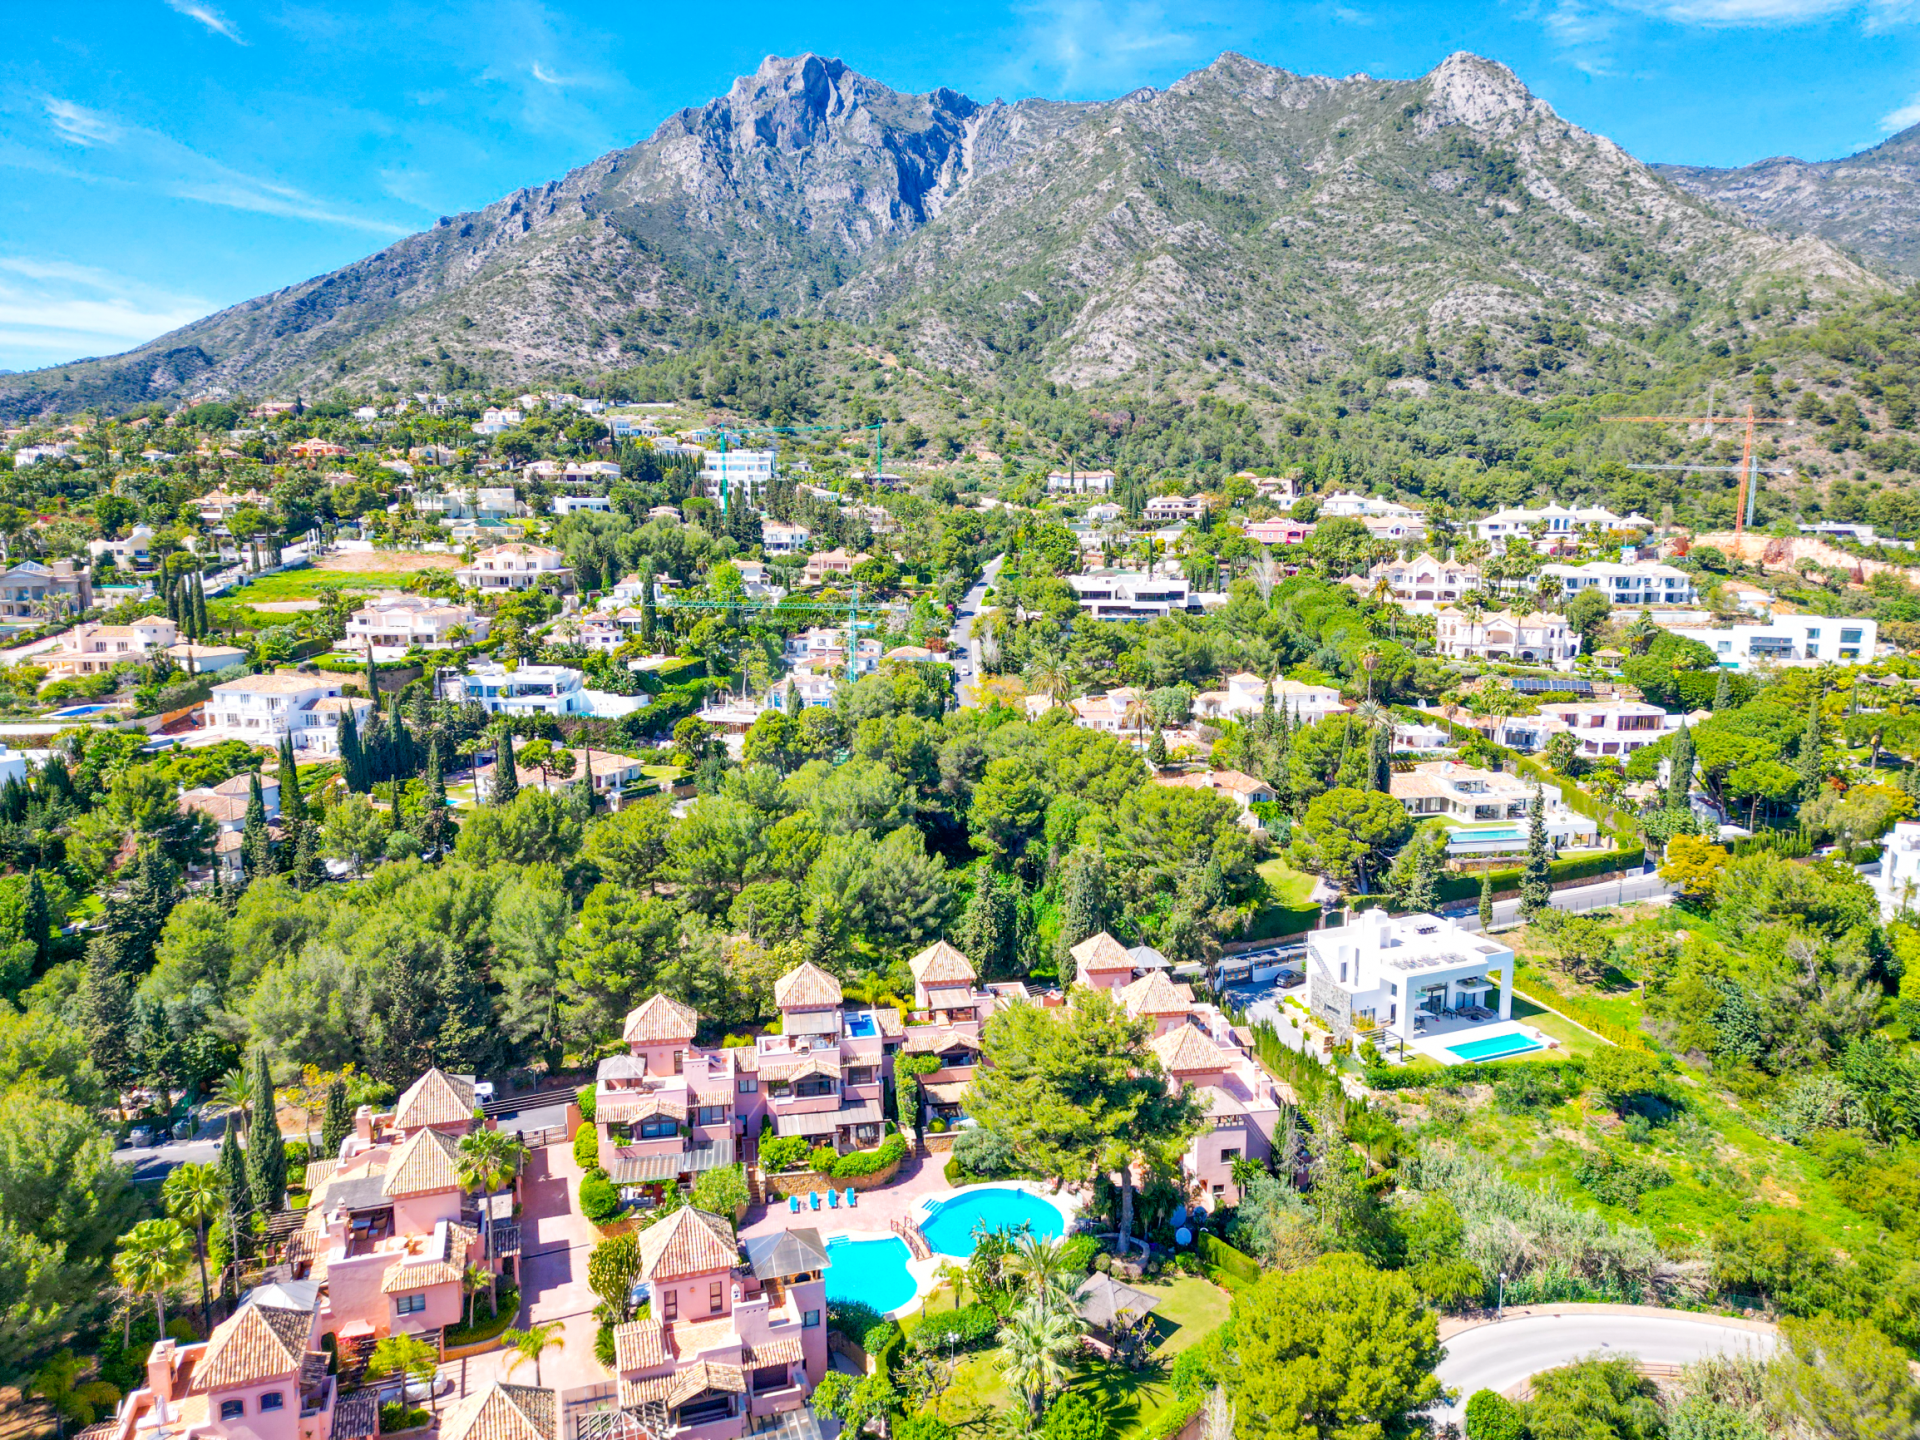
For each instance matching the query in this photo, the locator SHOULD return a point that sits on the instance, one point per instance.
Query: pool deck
(1434, 1045)
(920, 1176)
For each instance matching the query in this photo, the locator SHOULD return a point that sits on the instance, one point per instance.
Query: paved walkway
(919, 1177)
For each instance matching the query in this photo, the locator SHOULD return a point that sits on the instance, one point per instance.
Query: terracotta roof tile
(423, 1165)
(258, 1343)
(784, 1351)
(890, 1023)
(676, 1389)
(436, 1098)
(689, 1339)
(1101, 954)
(933, 1039)
(806, 987)
(1155, 994)
(640, 1345)
(444, 1266)
(502, 1412)
(687, 1242)
(1187, 1049)
(643, 1105)
(941, 962)
(661, 1019)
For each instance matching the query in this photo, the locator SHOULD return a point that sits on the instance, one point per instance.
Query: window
(713, 1114)
(659, 1128)
(860, 1075)
(272, 1400)
(413, 1304)
(1229, 1154)
(749, 1084)
(810, 1320)
(670, 1305)
(1850, 637)
(1813, 632)
(714, 1300)
(232, 1409)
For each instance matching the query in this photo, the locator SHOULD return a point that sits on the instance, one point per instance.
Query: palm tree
(459, 634)
(406, 1355)
(154, 1255)
(531, 1343)
(1035, 1346)
(196, 1195)
(235, 1091)
(72, 1398)
(472, 1278)
(1369, 659)
(1042, 1265)
(489, 1159)
(1137, 714)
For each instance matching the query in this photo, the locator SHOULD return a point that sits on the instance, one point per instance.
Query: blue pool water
(1494, 1047)
(74, 712)
(860, 1026)
(873, 1272)
(949, 1229)
(1465, 835)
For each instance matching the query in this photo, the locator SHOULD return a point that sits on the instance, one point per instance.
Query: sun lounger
(851, 1192)
(813, 1199)
(833, 1199)
(793, 1204)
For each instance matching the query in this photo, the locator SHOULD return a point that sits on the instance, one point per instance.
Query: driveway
(966, 668)
(1499, 1355)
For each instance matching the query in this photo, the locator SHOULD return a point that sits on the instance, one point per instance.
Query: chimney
(160, 1370)
(363, 1123)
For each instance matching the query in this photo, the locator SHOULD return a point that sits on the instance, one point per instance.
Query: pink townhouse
(735, 1337)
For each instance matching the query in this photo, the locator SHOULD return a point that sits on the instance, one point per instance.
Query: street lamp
(1500, 1304)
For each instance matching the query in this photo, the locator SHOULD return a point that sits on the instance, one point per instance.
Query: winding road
(1499, 1355)
(966, 667)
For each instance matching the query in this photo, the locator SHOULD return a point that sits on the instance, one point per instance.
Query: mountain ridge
(1161, 229)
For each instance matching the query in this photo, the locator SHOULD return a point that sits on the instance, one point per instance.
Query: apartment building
(263, 709)
(1536, 637)
(517, 567)
(739, 477)
(1644, 584)
(1200, 1049)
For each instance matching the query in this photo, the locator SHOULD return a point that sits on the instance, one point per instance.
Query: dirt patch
(378, 561)
(284, 607)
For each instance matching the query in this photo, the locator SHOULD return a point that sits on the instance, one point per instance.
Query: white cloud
(1093, 47)
(209, 17)
(53, 310)
(132, 155)
(1873, 15)
(1907, 114)
(81, 125)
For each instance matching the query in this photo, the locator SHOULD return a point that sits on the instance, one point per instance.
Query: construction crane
(851, 608)
(1743, 503)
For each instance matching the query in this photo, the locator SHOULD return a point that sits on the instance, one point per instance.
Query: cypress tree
(338, 1123)
(266, 1150)
(1680, 770)
(353, 764)
(307, 870)
(1810, 767)
(200, 627)
(506, 776)
(106, 1014)
(293, 805)
(468, 1038)
(373, 677)
(646, 602)
(989, 930)
(1380, 757)
(375, 754)
(39, 918)
(233, 1175)
(1722, 692)
(256, 845)
(401, 761)
(1486, 899)
(1083, 899)
(1157, 748)
(434, 823)
(1536, 886)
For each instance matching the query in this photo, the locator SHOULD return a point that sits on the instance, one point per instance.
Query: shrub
(1076, 1416)
(603, 1345)
(1491, 1416)
(599, 1201)
(883, 1344)
(982, 1152)
(922, 1427)
(938, 1127)
(967, 1327)
(1191, 1374)
(1077, 1253)
(586, 1102)
(397, 1416)
(821, 1158)
(298, 1153)
(852, 1318)
(722, 1191)
(783, 1152)
(1221, 1257)
(586, 1147)
(867, 1162)
(1618, 1179)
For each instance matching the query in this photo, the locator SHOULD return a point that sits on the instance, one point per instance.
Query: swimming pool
(1462, 837)
(949, 1225)
(75, 712)
(1496, 1047)
(873, 1272)
(860, 1025)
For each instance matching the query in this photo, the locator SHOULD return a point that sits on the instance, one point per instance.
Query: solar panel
(1538, 685)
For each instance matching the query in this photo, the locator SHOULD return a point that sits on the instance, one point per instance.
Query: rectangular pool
(1495, 1047)
(860, 1026)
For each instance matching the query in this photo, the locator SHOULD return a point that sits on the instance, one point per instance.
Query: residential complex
(1636, 585)
(738, 477)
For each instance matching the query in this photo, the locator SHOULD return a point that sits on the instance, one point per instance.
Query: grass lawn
(306, 584)
(1190, 1308)
(1285, 909)
(1573, 1040)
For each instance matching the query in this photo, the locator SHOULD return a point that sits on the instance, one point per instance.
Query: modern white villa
(1488, 809)
(1898, 883)
(1416, 982)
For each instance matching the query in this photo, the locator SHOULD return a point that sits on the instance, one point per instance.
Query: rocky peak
(1477, 92)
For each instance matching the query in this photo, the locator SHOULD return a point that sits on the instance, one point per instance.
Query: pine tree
(338, 1122)
(105, 1005)
(256, 845)
(1722, 692)
(989, 930)
(293, 805)
(1811, 770)
(1486, 899)
(1083, 899)
(233, 1175)
(1680, 771)
(1536, 885)
(1157, 748)
(266, 1150)
(506, 776)
(307, 870)
(646, 602)
(1423, 891)
(468, 1039)
(375, 754)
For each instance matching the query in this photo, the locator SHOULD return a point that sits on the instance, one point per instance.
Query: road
(966, 667)
(153, 1163)
(1499, 1356)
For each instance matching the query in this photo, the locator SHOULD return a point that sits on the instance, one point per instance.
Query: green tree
(406, 1355)
(1588, 613)
(237, 1193)
(256, 845)
(1536, 885)
(1338, 1351)
(990, 926)
(1083, 899)
(1680, 770)
(153, 1257)
(355, 832)
(195, 1197)
(612, 1268)
(489, 1160)
(721, 1191)
(266, 1149)
(76, 1401)
(1486, 899)
(1036, 1352)
(1346, 833)
(1844, 1379)
(1590, 1399)
(1812, 766)
(1009, 804)
(505, 786)
(531, 1343)
(293, 805)
(337, 1123)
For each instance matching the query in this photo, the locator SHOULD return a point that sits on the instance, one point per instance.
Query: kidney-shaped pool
(949, 1224)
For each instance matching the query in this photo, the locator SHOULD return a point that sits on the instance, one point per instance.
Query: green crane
(851, 608)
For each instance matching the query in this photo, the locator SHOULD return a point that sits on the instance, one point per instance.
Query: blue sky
(164, 158)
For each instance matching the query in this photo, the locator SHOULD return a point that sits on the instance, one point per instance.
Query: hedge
(586, 1102)
(866, 1162)
(1238, 1267)
(969, 1326)
(1474, 1072)
(586, 1147)
(1541, 990)
(1579, 867)
(599, 1201)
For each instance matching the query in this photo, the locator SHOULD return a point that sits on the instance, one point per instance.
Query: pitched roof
(661, 1019)
(1101, 953)
(425, 1164)
(806, 987)
(941, 962)
(937, 1039)
(436, 1098)
(798, 1251)
(502, 1412)
(1102, 1300)
(676, 1389)
(625, 1108)
(441, 1264)
(1155, 994)
(688, 1242)
(1187, 1049)
(258, 1343)
(639, 1345)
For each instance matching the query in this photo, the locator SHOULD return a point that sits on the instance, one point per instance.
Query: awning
(650, 1169)
(950, 1092)
(825, 1122)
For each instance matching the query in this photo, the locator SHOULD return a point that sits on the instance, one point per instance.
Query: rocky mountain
(1867, 203)
(1245, 219)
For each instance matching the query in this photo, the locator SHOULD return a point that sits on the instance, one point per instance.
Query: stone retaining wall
(799, 1182)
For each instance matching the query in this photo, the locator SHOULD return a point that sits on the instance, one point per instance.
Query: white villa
(1130, 595)
(1794, 640)
(541, 690)
(1898, 883)
(1489, 798)
(1404, 974)
(1348, 505)
(1246, 696)
(1540, 637)
(516, 567)
(395, 624)
(1642, 584)
(1558, 524)
(1422, 585)
(260, 709)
